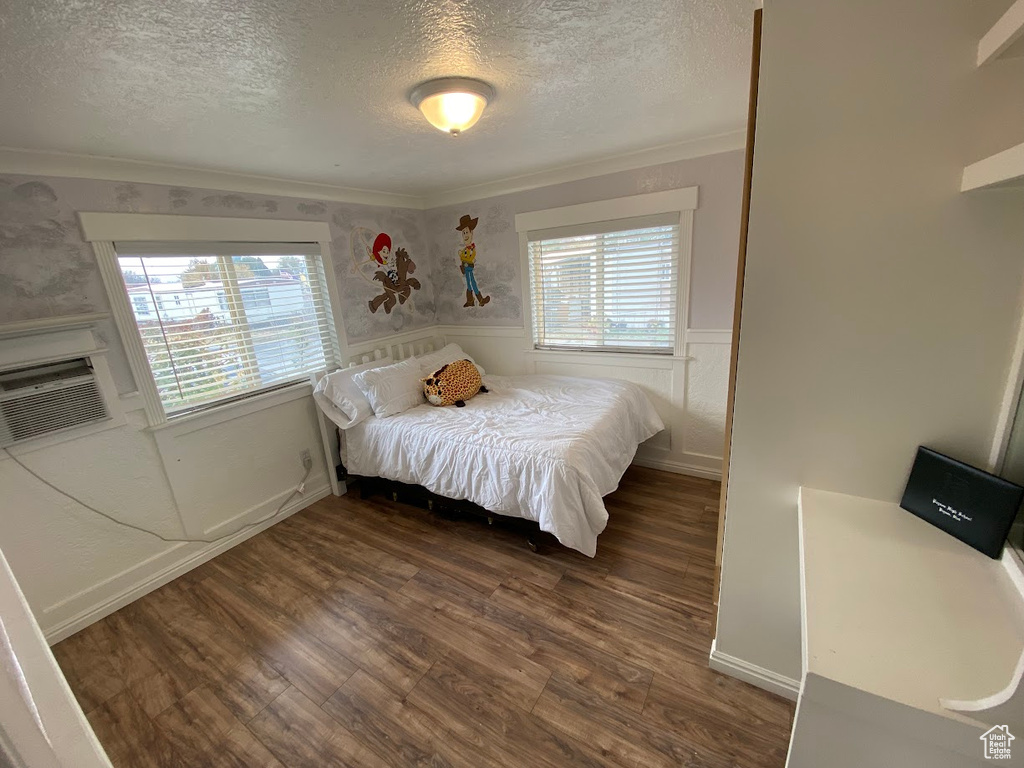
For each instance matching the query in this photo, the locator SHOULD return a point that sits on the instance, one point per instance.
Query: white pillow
(449, 353)
(393, 388)
(341, 399)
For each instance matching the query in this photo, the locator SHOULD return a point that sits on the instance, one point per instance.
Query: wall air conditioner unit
(55, 383)
(43, 399)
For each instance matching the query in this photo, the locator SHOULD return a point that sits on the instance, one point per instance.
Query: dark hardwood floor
(367, 633)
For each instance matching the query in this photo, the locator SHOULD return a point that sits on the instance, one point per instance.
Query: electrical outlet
(307, 459)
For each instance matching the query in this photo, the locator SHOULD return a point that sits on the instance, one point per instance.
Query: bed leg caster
(490, 520)
(394, 495)
(531, 543)
(430, 505)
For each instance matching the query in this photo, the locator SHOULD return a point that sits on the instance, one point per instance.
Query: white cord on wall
(300, 488)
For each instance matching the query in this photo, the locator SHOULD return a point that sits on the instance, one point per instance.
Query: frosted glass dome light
(452, 104)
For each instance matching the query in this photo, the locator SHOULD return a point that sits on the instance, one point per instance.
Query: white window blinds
(609, 286)
(220, 321)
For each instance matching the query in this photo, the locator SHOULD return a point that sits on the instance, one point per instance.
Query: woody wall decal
(467, 260)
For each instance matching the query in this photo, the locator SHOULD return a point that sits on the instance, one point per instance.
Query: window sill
(191, 422)
(639, 359)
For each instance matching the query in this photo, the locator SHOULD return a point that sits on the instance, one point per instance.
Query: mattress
(544, 448)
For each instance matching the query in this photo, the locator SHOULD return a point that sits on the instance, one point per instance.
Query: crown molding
(667, 153)
(32, 162)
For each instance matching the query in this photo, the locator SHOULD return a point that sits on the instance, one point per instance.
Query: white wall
(880, 303)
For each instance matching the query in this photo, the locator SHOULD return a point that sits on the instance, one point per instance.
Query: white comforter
(546, 448)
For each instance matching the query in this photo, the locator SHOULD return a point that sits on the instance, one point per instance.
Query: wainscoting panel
(228, 472)
(707, 382)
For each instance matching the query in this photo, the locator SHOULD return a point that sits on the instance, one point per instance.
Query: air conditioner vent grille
(50, 403)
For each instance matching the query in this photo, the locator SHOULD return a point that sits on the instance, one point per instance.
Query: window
(607, 286)
(256, 298)
(141, 305)
(244, 317)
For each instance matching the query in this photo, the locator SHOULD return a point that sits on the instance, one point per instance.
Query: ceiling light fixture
(452, 104)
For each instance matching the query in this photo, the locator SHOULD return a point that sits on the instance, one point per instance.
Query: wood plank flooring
(368, 634)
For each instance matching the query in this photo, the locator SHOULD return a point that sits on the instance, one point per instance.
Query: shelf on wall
(1003, 169)
(1006, 34)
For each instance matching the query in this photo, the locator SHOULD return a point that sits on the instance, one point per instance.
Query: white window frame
(104, 229)
(682, 201)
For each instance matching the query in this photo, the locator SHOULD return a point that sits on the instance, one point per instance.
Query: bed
(541, 448)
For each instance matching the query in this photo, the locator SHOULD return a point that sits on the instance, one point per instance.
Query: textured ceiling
(317, 90)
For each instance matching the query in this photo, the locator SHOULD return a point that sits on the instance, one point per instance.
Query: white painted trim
(131, 401)
(46, 324)
(48, 347)
(67, 165)
(669, 201)
(633, 360)
(186, 423)
(131, 340)
(753, 674)
(83, 619)
(333, 297)
(683, 276)
(480, 330)
(700, 336)
(529, 335)
(1011, 398)
(40, 163)
(678, 467)
(160, 227)
(668, 153)
(1003, 34)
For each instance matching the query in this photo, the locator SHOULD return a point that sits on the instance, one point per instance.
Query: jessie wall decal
(467, 260)
(391, 269)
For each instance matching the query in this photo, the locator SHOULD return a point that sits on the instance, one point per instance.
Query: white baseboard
(492, 331)
(677, 466)
(753, 674)
(112, 603)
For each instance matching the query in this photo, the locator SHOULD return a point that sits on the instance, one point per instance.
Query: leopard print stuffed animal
(453, 384)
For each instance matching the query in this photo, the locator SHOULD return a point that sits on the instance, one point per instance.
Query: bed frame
(410, 345)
